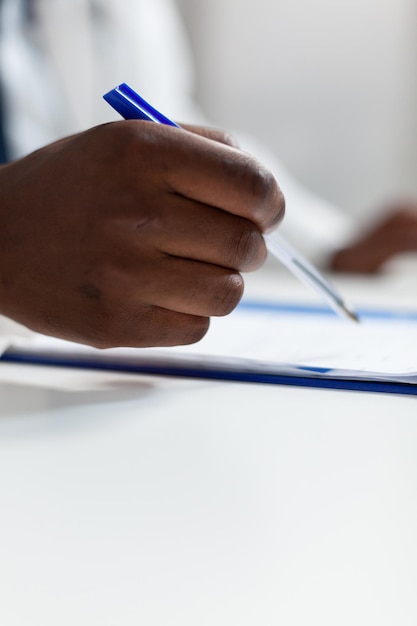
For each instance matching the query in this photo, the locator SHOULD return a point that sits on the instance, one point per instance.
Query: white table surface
(129, 500)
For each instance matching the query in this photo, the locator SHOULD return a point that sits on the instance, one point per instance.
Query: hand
(131, 234)
(394, 234)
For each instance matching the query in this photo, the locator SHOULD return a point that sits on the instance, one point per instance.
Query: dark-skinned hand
(132, 233)
(394, 234)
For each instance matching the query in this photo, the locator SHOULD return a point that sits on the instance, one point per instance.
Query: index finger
(215, 174)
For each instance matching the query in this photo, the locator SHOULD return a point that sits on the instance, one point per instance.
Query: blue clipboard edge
(213, 374)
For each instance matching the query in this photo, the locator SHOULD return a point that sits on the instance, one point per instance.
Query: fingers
(159, 328)
(400, 228)
(132, 233)
(394, 234)
(185, 228)
(146, 327)
(208, 171)
(177, 284)
(143, 326)
(167, 301)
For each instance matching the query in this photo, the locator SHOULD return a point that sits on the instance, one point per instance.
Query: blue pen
(132, 106)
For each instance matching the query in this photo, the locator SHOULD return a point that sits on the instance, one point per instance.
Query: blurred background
(330, 86)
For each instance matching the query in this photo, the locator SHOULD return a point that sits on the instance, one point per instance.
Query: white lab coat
(56, 69)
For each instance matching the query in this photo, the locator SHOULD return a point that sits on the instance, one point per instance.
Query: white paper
(273, 341)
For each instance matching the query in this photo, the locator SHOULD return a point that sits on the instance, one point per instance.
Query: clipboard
(193, 362)
(211, 374)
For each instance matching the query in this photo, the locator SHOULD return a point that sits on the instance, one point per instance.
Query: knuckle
(116, 133)
(113, 143)
(262, 180)
(228, 294)
(122, 138)
(269, 201)
(259, 178)
(248, 249)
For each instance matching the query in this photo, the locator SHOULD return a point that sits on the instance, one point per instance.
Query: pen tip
(352, 316)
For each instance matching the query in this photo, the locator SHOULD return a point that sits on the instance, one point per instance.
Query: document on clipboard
(265, 342)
